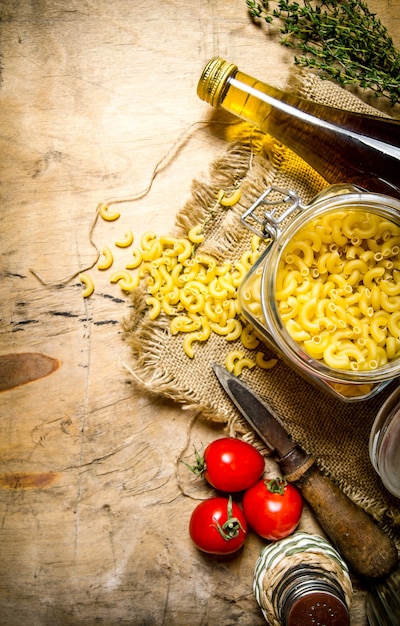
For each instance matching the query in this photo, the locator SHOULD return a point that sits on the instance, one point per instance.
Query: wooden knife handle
(366, 548)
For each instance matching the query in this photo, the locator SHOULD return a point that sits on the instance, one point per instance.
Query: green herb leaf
(341, 40)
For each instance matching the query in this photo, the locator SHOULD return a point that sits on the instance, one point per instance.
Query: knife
(367, 549)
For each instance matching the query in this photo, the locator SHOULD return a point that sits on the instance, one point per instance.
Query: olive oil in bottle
(342, 146)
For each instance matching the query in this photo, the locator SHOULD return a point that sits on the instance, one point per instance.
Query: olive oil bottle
(342, 146)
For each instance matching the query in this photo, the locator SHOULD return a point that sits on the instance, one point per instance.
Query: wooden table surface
(93, 521)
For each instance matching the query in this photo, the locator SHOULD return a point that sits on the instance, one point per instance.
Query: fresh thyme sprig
(341, 39)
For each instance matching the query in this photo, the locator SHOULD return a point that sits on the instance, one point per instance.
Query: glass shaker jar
(325, 293)
(384, 443)
(302, 581)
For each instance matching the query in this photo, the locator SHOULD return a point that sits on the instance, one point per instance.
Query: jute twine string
(161, 164)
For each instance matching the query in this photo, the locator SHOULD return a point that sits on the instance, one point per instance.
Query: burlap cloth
(335, 432)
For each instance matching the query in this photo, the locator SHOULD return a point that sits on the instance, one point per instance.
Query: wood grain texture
(93, 524)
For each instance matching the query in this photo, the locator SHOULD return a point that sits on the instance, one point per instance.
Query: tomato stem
(276, 485)
(200, 466)
(231, 528)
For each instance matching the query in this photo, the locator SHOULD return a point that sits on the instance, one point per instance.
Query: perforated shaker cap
(213, 81)
(317, 608)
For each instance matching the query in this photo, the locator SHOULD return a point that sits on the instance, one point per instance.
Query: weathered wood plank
(93, 523)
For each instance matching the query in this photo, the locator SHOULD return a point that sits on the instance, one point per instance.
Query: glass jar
(329, 340)
(384, 443)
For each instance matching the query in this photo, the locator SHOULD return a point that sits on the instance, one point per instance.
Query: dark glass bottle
(344, 147)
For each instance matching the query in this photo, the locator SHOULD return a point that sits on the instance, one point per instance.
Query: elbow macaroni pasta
(126, 281)
(107, 261)
(88, 285)
(231, 199)
(105, 214)
(338, 290)
(198, 294)
(126, 241)
(241, 364)
(195, 234)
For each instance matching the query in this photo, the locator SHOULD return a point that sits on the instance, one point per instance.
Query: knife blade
(264, 420)
(368, 550)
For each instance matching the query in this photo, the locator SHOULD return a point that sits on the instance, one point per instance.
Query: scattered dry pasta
(231, 199)
(126, 281)
(137, 259)
(106, 214)
(88, 285)
(265, 364)
(107, 260)
(232, 358)
(198, 294)
(195, 234)
(241, 364)
(126, 241)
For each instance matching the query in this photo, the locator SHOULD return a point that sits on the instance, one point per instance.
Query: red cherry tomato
(230, 465)
(273, 508)
(218, 526)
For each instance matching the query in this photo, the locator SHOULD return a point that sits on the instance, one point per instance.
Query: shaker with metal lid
(303, 581)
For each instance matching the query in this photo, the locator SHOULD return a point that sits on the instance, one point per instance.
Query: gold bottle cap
(213, 80)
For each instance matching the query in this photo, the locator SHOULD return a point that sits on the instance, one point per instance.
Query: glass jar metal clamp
(277, 216)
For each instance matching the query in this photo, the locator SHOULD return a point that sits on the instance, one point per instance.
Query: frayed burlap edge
(254, 161)
(145, 336)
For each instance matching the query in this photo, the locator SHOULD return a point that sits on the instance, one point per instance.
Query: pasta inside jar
(337, 289)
